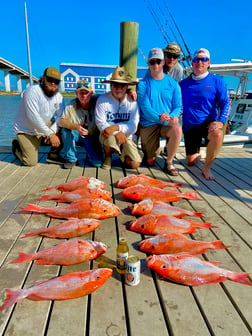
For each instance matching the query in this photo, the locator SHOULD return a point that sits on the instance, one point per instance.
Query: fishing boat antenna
(28, 46)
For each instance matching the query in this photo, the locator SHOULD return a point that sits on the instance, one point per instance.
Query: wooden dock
(156, 306)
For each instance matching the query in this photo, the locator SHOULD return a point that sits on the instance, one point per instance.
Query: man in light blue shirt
(159, 99)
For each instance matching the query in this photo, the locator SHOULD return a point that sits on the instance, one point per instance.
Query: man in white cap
(205, 111)
(159, 99)
(78, 127)
(37, 118)
(172, 67)
(117, 118)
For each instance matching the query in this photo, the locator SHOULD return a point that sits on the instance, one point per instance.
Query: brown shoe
(170, 169)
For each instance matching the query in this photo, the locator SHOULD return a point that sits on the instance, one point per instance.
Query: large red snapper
(189, 270)
(70, 252)
(69, 229)
(142, 179)
(78, 195)
(147, 206)
(169, 243)
(154, 224)
(97, 208)
(139, 192)
(79, 183)
(65, 287)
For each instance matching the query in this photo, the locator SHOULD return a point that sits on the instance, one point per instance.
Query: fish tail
(191, 195)
(29, 234)
(32, 207)
(240, 277)
(218, 244)
(204, 225)
(23, 257)
(176, 185)
(12, 296)
(198, 214)
(48, 188)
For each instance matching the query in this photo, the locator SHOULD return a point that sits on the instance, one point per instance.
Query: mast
(28, 46)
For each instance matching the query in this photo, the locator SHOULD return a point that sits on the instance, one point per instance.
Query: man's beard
(49, 92)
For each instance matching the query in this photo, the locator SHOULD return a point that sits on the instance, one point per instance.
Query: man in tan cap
(40, 109)
(78, 127)
(117, 118)
(172, 67)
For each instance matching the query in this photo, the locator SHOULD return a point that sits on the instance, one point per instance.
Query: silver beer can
(133, 271)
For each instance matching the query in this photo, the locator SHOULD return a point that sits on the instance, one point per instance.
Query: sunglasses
(119, 84)
(157, 61)
(53, 80)
(83, 85)
(168, 55)
(202, 59)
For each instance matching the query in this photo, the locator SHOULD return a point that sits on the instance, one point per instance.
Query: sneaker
(69, 165)
(56, 159)
(107, 163)
(15, 147)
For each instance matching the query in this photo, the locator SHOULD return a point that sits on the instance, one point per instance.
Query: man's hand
(121, 138)
(82, 131)
(132, 94)
(54, 140)
(107, 132)
(164, 117)
(215, 125)
(173, 121)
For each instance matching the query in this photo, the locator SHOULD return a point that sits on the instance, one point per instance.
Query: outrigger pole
(28, 46)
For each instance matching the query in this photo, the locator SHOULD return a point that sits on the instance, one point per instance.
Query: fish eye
(142, 226)
(92, 250)
(152, 247)
(134, 193)
(163, 267)
(98, 277)
(104, 210)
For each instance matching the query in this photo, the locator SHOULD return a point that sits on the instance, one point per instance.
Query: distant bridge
(10, 68)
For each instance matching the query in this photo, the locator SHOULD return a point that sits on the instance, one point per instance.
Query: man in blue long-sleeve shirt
(159, 100)
(205, 111)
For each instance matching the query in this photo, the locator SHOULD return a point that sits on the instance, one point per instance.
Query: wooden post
(129, 47)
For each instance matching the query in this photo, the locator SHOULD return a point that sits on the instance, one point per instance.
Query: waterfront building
(94, 73)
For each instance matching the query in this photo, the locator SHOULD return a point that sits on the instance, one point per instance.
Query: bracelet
(116, 132)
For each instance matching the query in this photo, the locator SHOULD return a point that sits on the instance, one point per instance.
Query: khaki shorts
(29, 145)
(128, 149)
(150, 138)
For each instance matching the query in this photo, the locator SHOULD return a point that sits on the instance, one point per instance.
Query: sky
(77, 31)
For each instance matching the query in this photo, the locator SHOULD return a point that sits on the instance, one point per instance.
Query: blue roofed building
(94, 73)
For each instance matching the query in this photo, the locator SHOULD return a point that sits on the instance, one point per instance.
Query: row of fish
(172, 252)
(88, 203)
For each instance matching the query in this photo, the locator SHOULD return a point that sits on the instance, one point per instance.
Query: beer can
(133, 270)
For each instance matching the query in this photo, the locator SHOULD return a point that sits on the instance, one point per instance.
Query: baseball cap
(52, 72)
(173, 48)
(202, 52)
(156, 53)
(84, 85)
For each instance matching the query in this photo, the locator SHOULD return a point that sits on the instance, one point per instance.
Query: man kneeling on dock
(117, 118)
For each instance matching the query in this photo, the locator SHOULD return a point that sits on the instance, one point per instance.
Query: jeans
(71, 139)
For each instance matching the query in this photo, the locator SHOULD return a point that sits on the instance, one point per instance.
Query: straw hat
(121, 76)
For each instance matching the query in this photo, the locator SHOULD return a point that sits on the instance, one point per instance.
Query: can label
(133, 270)
(121, 261)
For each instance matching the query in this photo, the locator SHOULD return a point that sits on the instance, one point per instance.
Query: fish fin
(218, 244)
(33, 207)
(198, 214)
(23, 257)
(240, 277)
(12, 296)
(203, 225)
(44, 262)
(191, 195)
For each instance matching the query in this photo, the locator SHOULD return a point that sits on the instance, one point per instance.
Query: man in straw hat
(160, 104)
(172, 67)
(117, 118)
(78, 127)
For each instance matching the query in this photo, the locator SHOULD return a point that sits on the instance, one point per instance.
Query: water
(8, 109)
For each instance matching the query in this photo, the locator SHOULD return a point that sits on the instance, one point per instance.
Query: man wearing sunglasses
(205, 111)
(36, 120)
(159, 99)
(172, 67)
(78, 127)
(117, 118)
